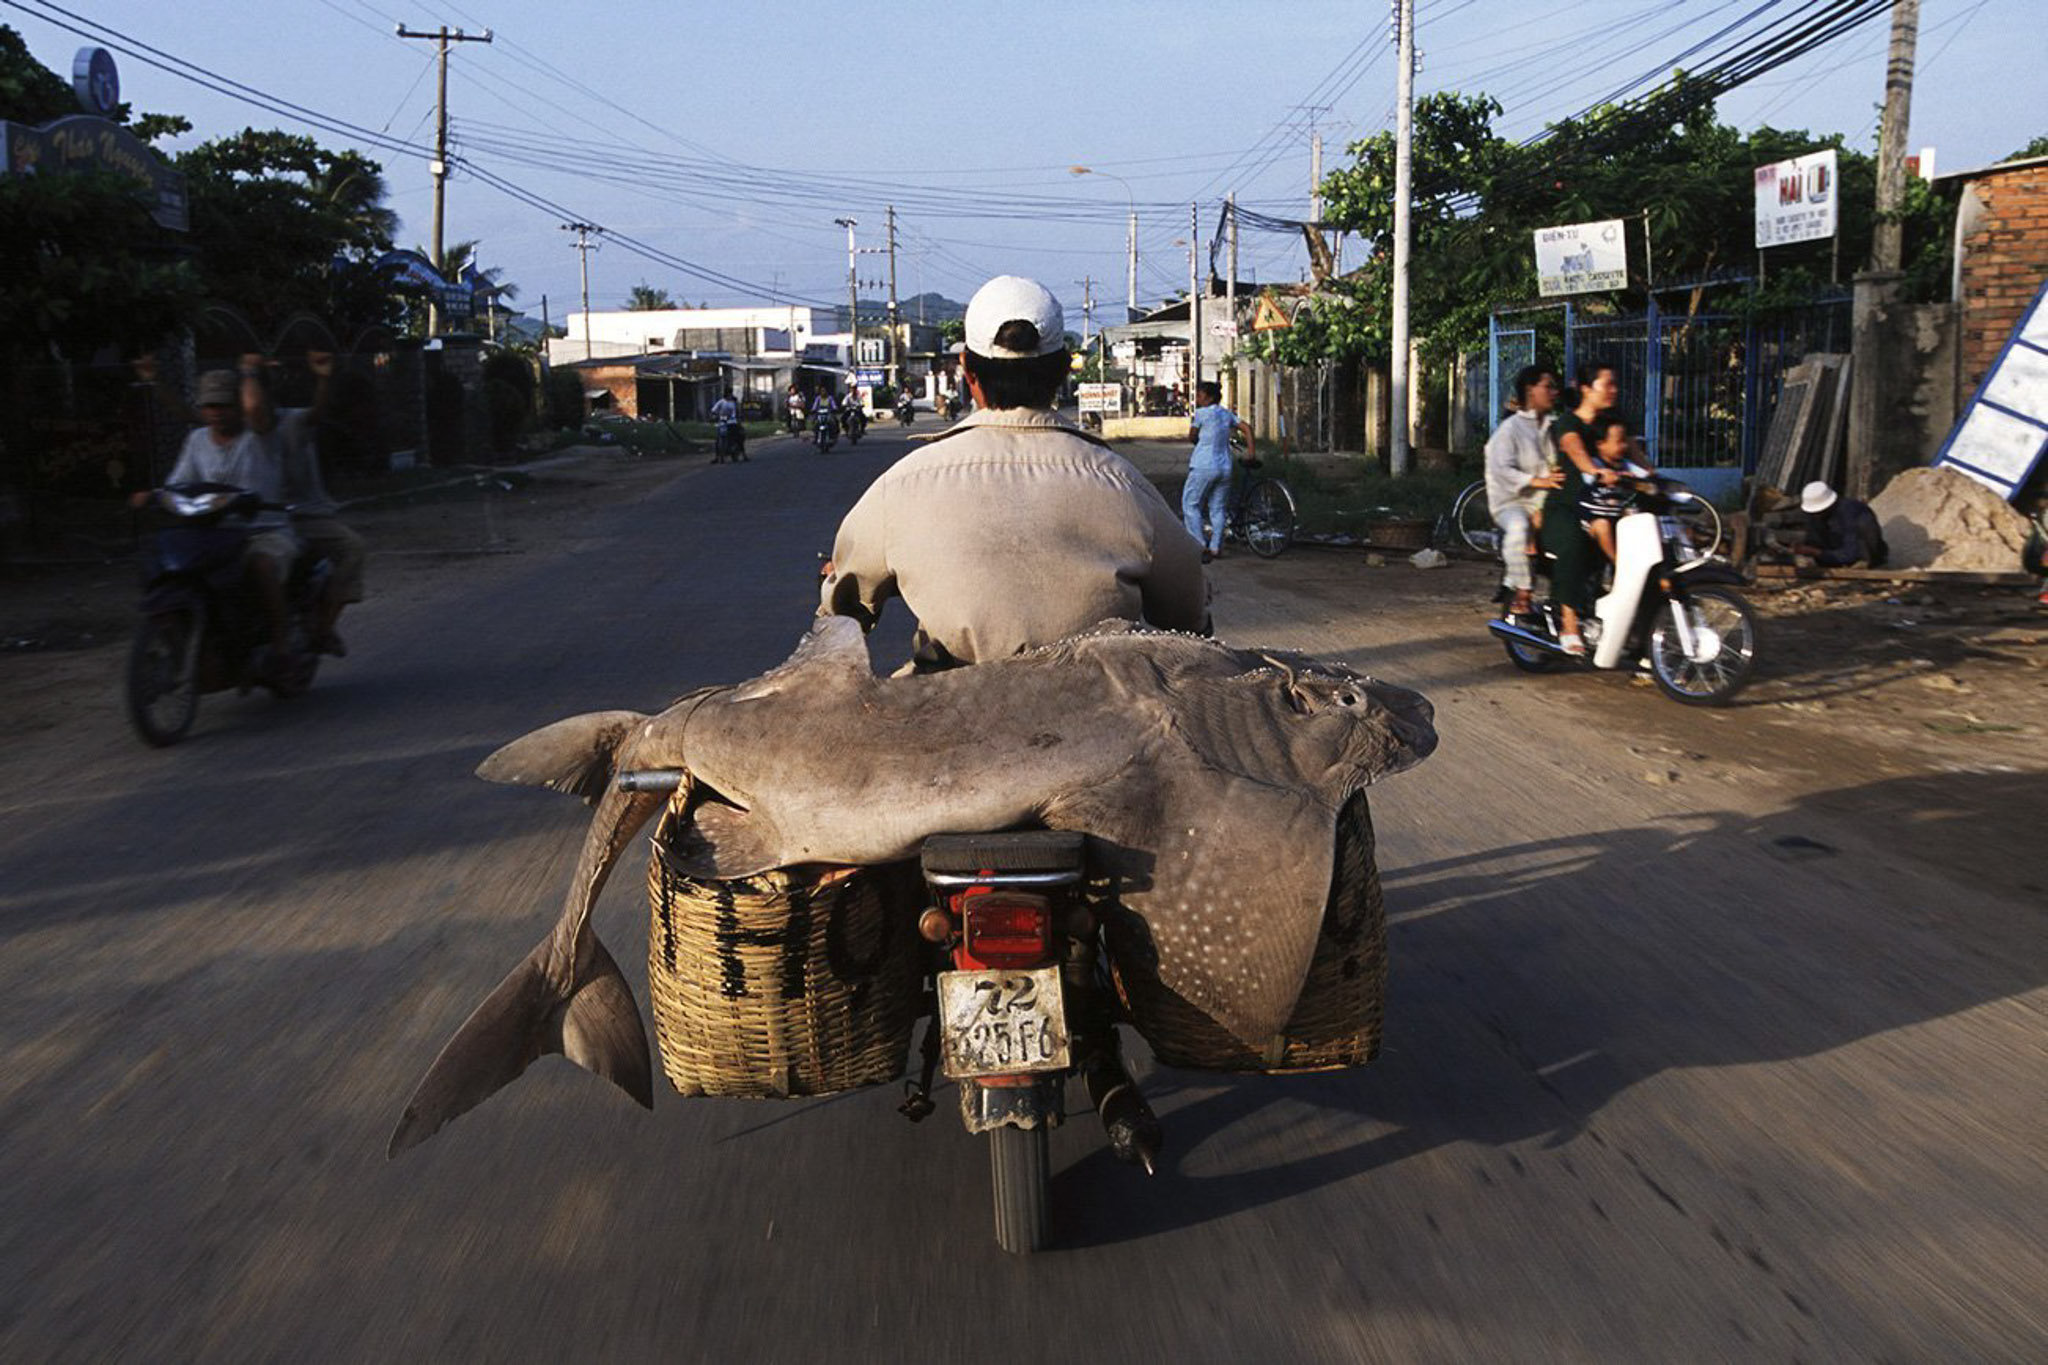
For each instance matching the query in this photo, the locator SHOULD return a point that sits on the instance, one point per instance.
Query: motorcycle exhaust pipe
(1511, 631)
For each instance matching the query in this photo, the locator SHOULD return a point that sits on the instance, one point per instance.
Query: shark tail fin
(597, 1026)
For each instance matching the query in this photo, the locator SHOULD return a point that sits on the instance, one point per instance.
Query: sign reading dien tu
(1581, 258)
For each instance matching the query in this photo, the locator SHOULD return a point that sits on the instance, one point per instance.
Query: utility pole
(1230, 297)
(1194, 306)
(1087, 309)
(894, 358)
(444, 36)
(1886, 240)
(584, 246)
(1131, 271)
(852, 304)
(1315, 176)
(1404, 136)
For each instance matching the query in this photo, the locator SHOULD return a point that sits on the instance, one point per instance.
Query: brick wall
(2004, 260)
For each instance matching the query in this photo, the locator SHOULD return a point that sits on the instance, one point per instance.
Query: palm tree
(645, 298)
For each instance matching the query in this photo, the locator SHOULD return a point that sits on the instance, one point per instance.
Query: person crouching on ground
(1840, 532)
(1518, 474)
(1211, 427)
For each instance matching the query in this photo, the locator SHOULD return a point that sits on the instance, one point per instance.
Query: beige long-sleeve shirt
(1010, 532)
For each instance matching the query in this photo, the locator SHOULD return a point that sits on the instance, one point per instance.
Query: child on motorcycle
(1601, 504)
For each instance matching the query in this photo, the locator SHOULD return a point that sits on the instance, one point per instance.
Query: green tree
(645, 298)
(86, 265)
(281, 224)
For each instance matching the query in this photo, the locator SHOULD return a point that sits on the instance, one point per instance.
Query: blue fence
(1698, 383)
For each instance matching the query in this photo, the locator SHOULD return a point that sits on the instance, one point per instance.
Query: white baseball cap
(1816, 497)
(1012, 298)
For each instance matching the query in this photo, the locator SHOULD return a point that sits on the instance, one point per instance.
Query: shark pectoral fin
(598, 1027)
(574, 755)
(723, 841)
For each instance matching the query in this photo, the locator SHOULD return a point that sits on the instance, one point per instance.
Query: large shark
(1208, 779)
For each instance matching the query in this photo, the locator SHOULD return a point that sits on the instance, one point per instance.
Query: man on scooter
(1014, 528)
(234, 448)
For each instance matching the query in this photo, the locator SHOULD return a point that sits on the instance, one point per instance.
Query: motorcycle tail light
(1008, 928)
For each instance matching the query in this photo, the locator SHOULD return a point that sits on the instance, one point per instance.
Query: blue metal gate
(1699, 380)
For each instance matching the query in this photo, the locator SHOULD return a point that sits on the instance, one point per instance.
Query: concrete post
(1873, 383)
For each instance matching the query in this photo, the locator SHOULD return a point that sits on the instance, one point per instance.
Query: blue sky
(730, 135)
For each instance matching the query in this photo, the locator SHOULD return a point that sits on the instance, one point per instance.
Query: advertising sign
(1581, 258)
(2004, 431)
(82, 142)
(1107, 399)
(1796, 199)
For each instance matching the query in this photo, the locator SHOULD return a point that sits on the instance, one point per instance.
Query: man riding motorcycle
(1015, 528)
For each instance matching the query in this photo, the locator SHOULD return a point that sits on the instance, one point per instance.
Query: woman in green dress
(1574, 559)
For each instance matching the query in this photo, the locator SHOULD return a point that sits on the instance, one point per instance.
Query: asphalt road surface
(1674, 1072)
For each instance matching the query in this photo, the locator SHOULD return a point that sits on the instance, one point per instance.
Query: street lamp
(1131, 263)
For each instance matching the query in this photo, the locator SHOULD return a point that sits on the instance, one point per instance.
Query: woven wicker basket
(1336, 1022)
(783, 984)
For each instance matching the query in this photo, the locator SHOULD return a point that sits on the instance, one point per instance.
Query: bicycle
(1261, 512)
(1471, 521)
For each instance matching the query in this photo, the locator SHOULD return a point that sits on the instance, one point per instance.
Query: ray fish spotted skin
(1208, 779)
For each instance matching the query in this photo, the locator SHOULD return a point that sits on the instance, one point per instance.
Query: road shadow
(1532, 984)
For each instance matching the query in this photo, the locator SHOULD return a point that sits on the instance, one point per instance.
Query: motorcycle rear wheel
(163, 676)
(1020, 1165)
(1529, 658)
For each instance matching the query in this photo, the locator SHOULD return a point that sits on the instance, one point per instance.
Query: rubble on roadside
(1937, 518)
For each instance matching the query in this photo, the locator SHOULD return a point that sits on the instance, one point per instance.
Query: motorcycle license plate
(1000, 1023)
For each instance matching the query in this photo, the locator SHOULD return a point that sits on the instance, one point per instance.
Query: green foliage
(510, 386)
(952, 330)
(645, 298)
(281, 224)
(86, 265)
(29, 91)
(1478, 198)
(2038, 147)
(564, 398)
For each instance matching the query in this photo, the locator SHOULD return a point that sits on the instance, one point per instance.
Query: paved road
(1674, 1072)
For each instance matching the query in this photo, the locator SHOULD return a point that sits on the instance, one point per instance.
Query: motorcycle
(906, 410)
(949, 405)
(1668, 609)
(1016, 1001)
(825, 433)
(730, 443)
(856, 424)
(202, 628)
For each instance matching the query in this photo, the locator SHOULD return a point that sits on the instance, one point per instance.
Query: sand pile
(1940, 519)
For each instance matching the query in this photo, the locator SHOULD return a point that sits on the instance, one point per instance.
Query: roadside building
(2001, 256)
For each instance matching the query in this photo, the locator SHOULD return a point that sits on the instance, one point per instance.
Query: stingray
(1207, 778)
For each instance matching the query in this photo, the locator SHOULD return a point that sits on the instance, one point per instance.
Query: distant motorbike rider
(729, 443)
(1014, 529)
(854, 414)
(234, 447)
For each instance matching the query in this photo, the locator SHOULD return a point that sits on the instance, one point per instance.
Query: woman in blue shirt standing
(1207, 492)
